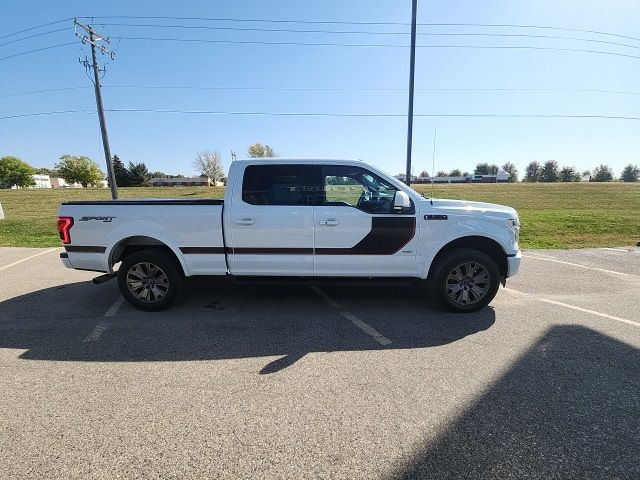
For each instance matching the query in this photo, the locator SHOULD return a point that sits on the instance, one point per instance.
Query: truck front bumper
(513, 264)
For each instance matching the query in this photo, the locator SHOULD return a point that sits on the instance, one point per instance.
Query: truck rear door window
(282, 185)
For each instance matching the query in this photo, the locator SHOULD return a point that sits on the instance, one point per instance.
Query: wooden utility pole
(93, 39)
(412, 71)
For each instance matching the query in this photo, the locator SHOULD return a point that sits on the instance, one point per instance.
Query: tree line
(483, 168)
(550, 171)
(86, 172)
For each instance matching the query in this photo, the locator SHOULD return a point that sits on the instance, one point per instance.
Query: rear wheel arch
(480, 243)
(135, 243)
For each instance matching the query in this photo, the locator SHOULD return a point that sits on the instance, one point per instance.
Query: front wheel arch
(482, 244)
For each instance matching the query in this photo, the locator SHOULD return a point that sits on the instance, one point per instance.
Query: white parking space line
(113, 309)
(368, 329)
(614, 249)
(326, 297)
(96, 332)
(28, 258)
(581, 266)
(574, 307)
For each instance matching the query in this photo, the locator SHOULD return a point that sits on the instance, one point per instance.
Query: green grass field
(570, 215)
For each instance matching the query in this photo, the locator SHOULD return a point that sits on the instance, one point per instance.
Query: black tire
(160, 277)
(479, 273)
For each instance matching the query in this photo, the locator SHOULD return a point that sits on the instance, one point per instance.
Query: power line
(35, 35)
(542, 27)
(36, 27)
(250, 29)
(325, 114)
(385, 45)
(338, 44)
(331, 22)
(369, 32)
(37, 50)
(328, 89)
(39, 114)
(339, 22)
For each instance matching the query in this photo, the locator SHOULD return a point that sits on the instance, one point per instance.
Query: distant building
(61, 183)
(500, 177)
(42, 181)
(585, 178)
(183, 182)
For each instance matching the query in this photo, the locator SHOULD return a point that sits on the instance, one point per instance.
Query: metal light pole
(412, 71)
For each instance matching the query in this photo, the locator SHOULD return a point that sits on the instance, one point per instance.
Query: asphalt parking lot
(249, 381)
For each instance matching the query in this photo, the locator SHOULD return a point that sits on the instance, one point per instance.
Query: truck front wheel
(466, 280)
(150, 279)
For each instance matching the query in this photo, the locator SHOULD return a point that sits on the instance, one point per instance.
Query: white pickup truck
(296, 218)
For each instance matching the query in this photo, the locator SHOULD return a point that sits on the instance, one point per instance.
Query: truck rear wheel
(466, 280)
(150, 279)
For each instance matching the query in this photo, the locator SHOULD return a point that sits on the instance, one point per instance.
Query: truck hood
(467, 207)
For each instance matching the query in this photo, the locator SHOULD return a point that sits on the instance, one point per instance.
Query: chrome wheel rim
(468, 283)
(147, 282)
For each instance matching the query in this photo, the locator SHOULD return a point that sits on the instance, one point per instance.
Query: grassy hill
(559, 215)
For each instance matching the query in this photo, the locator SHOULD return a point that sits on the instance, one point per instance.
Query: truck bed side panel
(192, 230)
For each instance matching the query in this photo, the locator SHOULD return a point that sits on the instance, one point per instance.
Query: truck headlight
(514, 224)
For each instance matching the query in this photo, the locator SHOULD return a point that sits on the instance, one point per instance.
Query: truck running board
(338, 281)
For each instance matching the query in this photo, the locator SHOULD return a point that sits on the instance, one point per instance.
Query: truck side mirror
(401, 201)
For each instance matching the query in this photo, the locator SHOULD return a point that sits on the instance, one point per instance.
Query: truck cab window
(359, 188)
(282, 185)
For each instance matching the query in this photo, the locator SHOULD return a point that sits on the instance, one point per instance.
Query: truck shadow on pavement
(566, 409)
(222, 320)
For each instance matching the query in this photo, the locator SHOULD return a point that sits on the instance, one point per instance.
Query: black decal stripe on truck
(171, 201)
(84, 249)
(203, 250)
(387, 236)
(273, 251)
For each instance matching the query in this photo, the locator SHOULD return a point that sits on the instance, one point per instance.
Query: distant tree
(602, 173)
(532, 172)
(14, 171)
(569, 174)
(80, 169)
(631, 173)
(442, 173)
(158, 175)
(465, 174)
(424, 174)
(258, 150)
(549, 172)
(511, 169)
(586, 173)
(123, 177)
(138, 174)
(46, 171)
(486, 169)
(455, 173)
(482, 169)
(207, 162)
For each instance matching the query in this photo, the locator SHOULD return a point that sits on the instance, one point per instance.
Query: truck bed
(192, 228)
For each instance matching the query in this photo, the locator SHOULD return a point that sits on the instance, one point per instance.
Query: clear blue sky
(169, 142)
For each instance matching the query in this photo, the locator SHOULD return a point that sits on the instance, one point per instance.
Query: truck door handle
(329, 222)
(245, 222)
